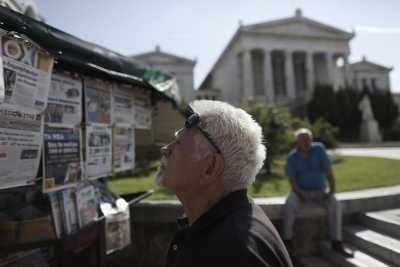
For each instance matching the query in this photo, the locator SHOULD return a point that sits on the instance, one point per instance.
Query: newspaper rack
(39, 232)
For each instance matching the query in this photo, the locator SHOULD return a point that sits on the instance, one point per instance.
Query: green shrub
(325, 133)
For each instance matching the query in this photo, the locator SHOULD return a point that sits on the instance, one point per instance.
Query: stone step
(386, 221)
(360, 259)
(315, 262)
(377, 244)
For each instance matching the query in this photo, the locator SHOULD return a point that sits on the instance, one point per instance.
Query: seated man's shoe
(338, 247)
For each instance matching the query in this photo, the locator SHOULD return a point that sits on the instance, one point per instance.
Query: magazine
(57, 213)
(69, 210)
(87, 205)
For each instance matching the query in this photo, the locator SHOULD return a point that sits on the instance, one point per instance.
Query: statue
(365, 107)
(369, 127)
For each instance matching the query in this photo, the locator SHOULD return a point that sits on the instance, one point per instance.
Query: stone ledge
(352, 202)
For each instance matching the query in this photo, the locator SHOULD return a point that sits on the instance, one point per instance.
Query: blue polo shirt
(308, 172)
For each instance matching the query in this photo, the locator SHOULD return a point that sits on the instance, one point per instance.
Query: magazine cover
(69, 210)
(86, 203)
(56, 211)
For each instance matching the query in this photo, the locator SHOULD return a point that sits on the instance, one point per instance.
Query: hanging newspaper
(20, 144)
(27, 70)
(98, 101)
(123, 149)
(65, 96)
(123, 111)
(87, 205)
(142, 111)
(98, 151)
(118, 228)
(61, 158)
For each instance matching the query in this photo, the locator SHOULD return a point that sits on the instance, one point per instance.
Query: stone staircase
(375, 241)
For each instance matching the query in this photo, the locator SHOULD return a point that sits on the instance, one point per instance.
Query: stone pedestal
(370, 131)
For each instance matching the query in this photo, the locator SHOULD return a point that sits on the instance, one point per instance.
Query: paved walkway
(382, 152)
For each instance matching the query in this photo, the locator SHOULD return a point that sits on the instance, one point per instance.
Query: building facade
(367, 75)
(278, 62)
(179, 67)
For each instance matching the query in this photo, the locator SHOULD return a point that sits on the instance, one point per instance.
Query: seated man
(209, 166)
(309, 169)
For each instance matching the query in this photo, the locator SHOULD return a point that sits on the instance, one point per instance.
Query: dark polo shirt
(234, 232)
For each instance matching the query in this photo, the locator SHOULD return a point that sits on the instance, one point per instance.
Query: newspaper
(123, 149)
(123, 111)
(65, 100)
(98, 151)
(26, 70)
(56, 210)
(87, 205)
(61, 158)
(69, 211)
(98, 101)
(21, 132)
(142, 105)
(118, 228)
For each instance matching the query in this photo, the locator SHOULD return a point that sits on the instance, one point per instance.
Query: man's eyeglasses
(192, 121)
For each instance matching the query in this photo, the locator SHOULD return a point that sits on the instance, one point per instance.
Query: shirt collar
(226, 205)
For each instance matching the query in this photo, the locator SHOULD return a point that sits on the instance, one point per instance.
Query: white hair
(238, 136)
(303, 131)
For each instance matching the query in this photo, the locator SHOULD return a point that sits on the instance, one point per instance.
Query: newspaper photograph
(98, 152)
(87, 205)
(61, 158)
(124, 113)
(123, 149)
(64, 104)
(142, 106)
(98, 101)
(26, 70)
(20, 144)
(118, 227)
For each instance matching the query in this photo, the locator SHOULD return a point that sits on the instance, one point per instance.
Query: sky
(201, 30)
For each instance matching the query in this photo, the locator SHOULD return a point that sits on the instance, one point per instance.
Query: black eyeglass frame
(192, 122)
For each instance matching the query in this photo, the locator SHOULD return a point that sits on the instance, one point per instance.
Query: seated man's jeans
(293, 202)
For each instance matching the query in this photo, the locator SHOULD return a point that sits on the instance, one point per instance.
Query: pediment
(163, 58)
(368, 66)
(299, 26)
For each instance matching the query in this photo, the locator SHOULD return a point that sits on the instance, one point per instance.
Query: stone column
(345, 69)
(310, 72)
(330, 69)
(247, 75)
(268, 77)
(289, 76)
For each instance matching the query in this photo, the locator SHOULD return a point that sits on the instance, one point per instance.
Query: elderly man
(209, 166)
(309, 170)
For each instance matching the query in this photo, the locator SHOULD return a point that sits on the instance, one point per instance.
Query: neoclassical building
(179, 67)
(368, 75)
(278, 61)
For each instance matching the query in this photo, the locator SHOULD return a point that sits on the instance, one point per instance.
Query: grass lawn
(352, 173)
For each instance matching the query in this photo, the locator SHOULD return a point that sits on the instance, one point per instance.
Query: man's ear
(214, 168)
